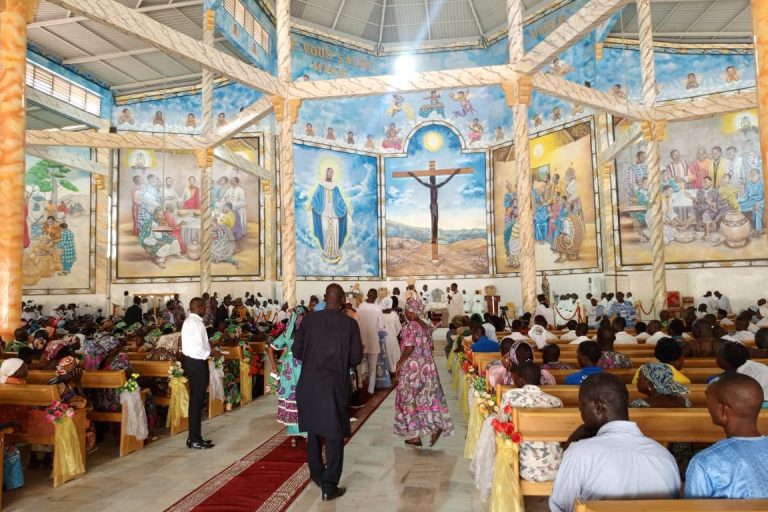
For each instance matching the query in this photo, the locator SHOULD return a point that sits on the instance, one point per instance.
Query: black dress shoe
(198, 446)
(336, 492)
(208, 442)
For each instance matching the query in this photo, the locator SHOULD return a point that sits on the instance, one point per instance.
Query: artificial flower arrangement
(486, 401)
(218, 362)
(57, 411)
(505, 428)
(175, 371)
(131, 385)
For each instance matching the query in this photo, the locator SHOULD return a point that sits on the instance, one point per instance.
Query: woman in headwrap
(13, 371)
(420, 405)
(288, 375)
(53, 351)
(657, 382)
(67, 380)
(516, 353)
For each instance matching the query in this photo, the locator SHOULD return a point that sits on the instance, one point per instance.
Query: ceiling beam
(569, 33)
(155, 81)
(624, 139)
(116, 55)
(126, 20)
(67, 158)
(338, 14)
(426, 14)
(228, 156)
(690, 35)
(708, 106)
(381, 25)
(476, 18)
(122, 140)
(243, 120)
(63, 108)
(149, 8)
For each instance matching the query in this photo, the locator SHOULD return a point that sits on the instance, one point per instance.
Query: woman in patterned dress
(420, 406)
(289, 372)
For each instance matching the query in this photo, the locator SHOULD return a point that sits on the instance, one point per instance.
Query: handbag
(13, 473)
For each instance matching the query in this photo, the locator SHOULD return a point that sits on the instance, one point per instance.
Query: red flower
(509, 429)
(495, 424)
(508, 410)
(517, 438)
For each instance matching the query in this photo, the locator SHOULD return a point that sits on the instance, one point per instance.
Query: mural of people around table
(713, 195)
(565, 226)
(436, 207)
(57, 230)
(336, 213)
(158, 220)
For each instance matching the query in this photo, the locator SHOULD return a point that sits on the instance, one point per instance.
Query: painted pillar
(13, 54)
(103, 249)
(285, 120)
(653, 134)
(270, 211)
(522, 158)
(760, 30)
(604, 174)
(205, 163)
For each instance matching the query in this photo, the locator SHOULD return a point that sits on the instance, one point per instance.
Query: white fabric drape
(215, 382)
(485, 454)
(136, 425)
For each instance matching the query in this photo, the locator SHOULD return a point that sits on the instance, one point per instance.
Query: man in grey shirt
(612, 459)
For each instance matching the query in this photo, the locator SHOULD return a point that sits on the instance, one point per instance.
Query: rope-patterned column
(653, 134)
(606, 199)
(205, 163)
(522, 98)
(286, 119)
(103, 190)
(270, 207)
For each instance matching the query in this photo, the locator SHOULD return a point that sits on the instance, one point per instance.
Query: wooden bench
(159, 369)
(101, 379)
(697, 375)
(570, 394)
(663, 425)
(480, 360)
(40, 395)
(236, 352)
(692, 362)
(671, 506)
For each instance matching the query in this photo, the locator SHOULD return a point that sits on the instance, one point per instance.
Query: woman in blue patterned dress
(67, 246)
(420, 406)
(289, 370)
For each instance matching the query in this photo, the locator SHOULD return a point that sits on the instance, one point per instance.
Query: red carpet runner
(266, 480)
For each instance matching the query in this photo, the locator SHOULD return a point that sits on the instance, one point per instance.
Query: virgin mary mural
(329, 217)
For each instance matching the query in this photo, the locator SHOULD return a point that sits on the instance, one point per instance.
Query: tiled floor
(380, 472)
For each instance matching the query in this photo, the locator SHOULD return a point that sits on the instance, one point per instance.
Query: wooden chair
(101, 380)
(570, 394)
(40, 395)
(159, 369)
(672, 506)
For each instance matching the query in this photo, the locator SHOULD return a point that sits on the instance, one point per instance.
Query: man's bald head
(334, 296)
(734, 402)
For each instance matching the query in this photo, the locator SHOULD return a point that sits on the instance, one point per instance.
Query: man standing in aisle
(196, 349)
(327, 344)
(371, 322)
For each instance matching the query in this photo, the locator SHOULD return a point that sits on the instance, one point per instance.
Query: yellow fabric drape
(505, 495)
(179, 406)
(457, 374)
(464, 397)
(67, 459)
(474, 427)
(246, 385)
(451, 359)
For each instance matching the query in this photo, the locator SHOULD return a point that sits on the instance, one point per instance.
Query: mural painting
(158, 215)
(57, 231)
(713, 196)
(565, 226)
(436, 207)
(337, 213)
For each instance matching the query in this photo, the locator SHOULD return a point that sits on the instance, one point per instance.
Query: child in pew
(734, 357)
(550, 355)
(588, 354)
(519, 352)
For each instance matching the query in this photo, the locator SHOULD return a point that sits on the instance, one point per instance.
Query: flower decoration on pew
(486, 401)
(175, 371)
(218, 362)
(57, 411)
(130, 385)
(505, 428)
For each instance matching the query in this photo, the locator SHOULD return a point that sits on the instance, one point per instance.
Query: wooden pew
(480, 360)
(662, 425)
(236, 352)
(692, 362)
(259, 348)
(159, 369)
(570, 394)
(101, 379)
(40, 395)
(697, 375)
(672, 506)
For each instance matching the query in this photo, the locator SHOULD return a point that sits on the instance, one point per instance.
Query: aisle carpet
(266, 480)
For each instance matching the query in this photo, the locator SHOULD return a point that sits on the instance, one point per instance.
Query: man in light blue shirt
(736, 467)
(483, 343)
(623, 309)
(613, 460)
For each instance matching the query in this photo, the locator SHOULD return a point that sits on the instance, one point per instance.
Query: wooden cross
(433, 187)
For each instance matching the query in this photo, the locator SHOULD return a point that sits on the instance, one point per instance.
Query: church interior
(502, 158)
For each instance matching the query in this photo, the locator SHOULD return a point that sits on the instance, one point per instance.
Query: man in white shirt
(622, 336)
(371, 321)
(543, 309)
(735, 357)
(516, 334)
(539, 333)
(654, 332)
(723, 302)
(596, 312)
(641, 333)
(743, 332)
(127, 301)
(455, 304)
(709, 301)
(478, 303)
(722, 318)
(196, 349)
(571, 334)
(613, 459)
(581, 334)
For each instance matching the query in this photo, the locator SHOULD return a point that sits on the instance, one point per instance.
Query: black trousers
(196, 371)
(327, 474)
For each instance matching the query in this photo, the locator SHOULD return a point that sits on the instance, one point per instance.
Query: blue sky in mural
(461, 201)
(356, 176)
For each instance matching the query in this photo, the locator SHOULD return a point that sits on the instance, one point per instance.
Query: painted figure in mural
(369, 144)
(156, 239)
(753, 201)
(221, 119)
(672, 224)
(636, 172)
(309, 130)
(169, 219)
(392, 139)
(50, 241)
(329, 217)
(747, 127)
(151, 199)
(191, 195)
(537, 121)
(499, 133)
(557, 212)
(642, 199)
(719, 165)
(434, 105)
(350, 138)
(126, 117)
(698, 170)
(397, 105)
(667, 180)
(541, 213)
(67, 248)
(235, 197)
(159, 119)
(556, 114)
(170, 196)
(433, 187)
(329, 135)
(677, 168)
(476, 131)
(570, 237)
(731, 75)
(728, 192)
(511, 212)
(692, 82)
(576, 109)
(223, 244)
(736, 167)
(571, 194)
(191, 121)
(219, 190)
(618, 92)
(560, 67)
(136, 193)
(703, 203)
(462, 97)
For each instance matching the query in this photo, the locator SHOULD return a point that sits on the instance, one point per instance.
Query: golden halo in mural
(433, 141)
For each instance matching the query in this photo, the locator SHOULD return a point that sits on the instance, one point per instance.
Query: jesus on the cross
(433, 187)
